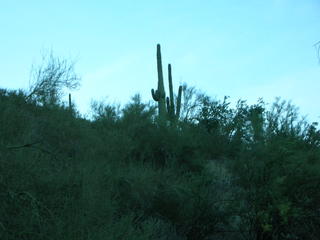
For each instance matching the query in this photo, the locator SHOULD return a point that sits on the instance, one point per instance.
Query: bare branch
(32, 145)
(50, 78)
(23, 146)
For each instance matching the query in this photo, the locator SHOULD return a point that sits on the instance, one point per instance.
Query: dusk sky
(242, 49)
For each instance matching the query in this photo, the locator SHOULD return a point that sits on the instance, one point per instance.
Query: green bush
(220, 172)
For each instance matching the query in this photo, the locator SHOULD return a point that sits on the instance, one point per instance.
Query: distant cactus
(70, 105)
(170, 112)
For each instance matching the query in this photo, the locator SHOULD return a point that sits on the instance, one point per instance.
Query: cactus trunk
(159, 95)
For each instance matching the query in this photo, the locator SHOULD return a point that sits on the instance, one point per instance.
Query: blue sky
(242, 49)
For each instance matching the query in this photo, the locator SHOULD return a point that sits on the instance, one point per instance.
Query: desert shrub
(15, 119)
(105, 116)
(193, 205)
(123, 175)
(279, 181)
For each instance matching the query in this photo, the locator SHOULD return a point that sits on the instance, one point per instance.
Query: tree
(49, 79)
(191, 103)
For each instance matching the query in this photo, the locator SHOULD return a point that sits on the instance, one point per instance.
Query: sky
(244, 49)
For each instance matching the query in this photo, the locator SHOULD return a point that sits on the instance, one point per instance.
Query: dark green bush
(221, 172)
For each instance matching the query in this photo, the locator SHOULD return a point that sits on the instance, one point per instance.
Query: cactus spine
(166, 112)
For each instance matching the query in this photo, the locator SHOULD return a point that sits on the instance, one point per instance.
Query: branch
(23, 146)
(32, 145)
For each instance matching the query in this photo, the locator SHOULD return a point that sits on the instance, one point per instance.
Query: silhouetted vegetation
(246, 172)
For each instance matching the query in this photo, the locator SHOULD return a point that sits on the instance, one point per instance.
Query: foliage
(249, 172)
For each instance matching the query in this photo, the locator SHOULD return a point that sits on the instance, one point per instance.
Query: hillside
(243, 173)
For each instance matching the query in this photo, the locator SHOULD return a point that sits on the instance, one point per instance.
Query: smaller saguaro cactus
(168, 112)
(70, 101)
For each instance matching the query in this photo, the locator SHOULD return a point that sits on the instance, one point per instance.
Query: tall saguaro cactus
(159, 95)
(170, 112)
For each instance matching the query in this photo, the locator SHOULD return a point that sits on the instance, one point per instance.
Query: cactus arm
(179, 102)
(168, 106)
(155, 95)
(171, 112)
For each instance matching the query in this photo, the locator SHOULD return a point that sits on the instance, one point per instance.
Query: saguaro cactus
(159, 95)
